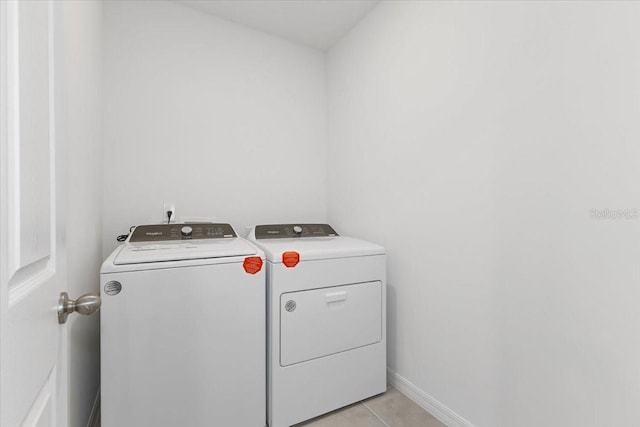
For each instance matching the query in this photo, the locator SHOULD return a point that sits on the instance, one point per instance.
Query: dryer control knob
(297, 229)
(186, 231)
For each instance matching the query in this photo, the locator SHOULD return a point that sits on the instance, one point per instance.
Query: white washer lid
(314, 248)
(144, 252)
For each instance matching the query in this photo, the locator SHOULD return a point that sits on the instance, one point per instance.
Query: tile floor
(391, 409)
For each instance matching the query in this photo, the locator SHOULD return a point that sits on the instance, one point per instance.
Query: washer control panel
(185, 231)
(289, 231)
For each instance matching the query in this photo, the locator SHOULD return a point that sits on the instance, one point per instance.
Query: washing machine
(183, 329)
(326, 320)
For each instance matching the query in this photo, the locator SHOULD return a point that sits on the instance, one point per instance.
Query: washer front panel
(183, 347)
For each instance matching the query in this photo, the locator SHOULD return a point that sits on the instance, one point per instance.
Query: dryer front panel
(321, 322)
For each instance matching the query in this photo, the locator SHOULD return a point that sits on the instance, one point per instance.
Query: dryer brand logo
(290, 305)
(252, 264)
(153, 233)
(290, 258)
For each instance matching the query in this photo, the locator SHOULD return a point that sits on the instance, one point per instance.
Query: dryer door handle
(335, 296)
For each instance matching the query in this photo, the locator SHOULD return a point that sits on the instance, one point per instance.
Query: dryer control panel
(290, 231)
(185, 231)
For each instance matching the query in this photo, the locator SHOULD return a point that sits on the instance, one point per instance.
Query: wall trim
(426, 401)
(94, 416)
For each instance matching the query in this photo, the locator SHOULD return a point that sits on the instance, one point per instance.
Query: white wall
(473, 139)
(220, 119)
(81, 32)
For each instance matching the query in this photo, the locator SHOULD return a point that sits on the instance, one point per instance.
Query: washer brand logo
(112, 288)
(153, 233)
(290, 305)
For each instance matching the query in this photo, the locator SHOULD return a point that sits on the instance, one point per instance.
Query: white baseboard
(430, 404)
(94, 416)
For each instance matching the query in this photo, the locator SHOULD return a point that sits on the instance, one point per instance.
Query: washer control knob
(297, 229)
(186, 231)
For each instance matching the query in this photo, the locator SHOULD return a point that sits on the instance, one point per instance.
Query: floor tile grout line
(376, 415)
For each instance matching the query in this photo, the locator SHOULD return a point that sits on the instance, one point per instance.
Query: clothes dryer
(326, 320)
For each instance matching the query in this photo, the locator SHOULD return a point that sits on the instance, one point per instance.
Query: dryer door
(325, 321)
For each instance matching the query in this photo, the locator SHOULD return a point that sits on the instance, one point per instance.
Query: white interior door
(33, 386)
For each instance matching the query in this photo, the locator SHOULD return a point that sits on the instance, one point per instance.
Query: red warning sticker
(291, 258)
(252, 264)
